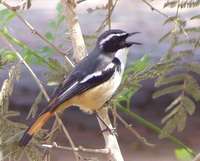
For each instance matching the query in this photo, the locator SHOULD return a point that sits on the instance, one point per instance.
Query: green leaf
(188, 104)
(28, 54)
(169, 20)
(46, 51)
(180, 119)
(49, 36)
(167, 90)
(192, 67)
(192, 87)
(7, 55)
(183, 155)
(4, 31)
(170, 79)
(170, 4)
(172, 113)
(154, 128)
(169, 127)
(52, 24)
(173, 104)
(174, 19)
(165, 36)
(6, 16)
(192, 29)
(138, 65)
(60, 19)
(195, 17)
(59, 8)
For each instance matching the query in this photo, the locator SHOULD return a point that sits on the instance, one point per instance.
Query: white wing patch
(68, 89)
(109, 66)
(109, 37)
(88, 77)
(98, 73)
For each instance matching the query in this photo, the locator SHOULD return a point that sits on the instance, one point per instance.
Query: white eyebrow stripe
(110, 36)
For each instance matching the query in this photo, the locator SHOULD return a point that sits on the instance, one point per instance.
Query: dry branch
(77, 156)
(77, 149)
(110, 139)
(132, 130)
(78, 43)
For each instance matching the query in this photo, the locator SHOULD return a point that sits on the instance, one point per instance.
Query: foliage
(181, 78)
(134, 74)
(183, 155)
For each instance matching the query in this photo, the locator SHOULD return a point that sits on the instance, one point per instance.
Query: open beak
(129, 43)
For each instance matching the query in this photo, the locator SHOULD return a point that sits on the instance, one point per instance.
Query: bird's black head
(113, 40)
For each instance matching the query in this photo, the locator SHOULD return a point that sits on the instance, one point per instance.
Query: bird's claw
(112, 131)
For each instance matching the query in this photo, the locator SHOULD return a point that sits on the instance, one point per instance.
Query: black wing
(85, 84)
(84, 68)
(74, 83)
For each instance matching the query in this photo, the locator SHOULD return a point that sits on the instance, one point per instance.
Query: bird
(92, 82)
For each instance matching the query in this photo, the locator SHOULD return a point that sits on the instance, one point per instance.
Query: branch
(165, 15)
(35, 32)
(78, 43)
(77, 156)
(108, 16)
(197, 157)
(132, 130)
(110, 139)
(77, 149)
(155, 9)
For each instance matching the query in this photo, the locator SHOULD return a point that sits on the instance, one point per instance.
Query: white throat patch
(122, 56)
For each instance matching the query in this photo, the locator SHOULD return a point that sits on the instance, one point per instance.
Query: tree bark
(78, 43)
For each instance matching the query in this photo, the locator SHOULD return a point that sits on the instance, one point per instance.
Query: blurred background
(128, 15)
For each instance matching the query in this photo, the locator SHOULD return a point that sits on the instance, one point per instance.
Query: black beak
(133, 33)
(129, 43)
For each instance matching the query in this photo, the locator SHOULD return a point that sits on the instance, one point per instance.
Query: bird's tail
(34, 128)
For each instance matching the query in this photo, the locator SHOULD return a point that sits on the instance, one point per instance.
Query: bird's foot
(112, 131)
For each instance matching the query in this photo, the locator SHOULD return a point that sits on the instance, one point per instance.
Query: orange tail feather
(34, 128)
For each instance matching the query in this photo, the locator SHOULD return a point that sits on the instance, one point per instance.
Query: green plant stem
(154, 128)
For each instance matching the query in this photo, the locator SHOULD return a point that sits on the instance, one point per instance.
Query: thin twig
(177, 9)
(39, 83)
(35, 32)
(110, 4)
(155, 9)
(77, 149)
(76, 154)
(132, 130)
(105, 21)
(197, 157)
(165, 15)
